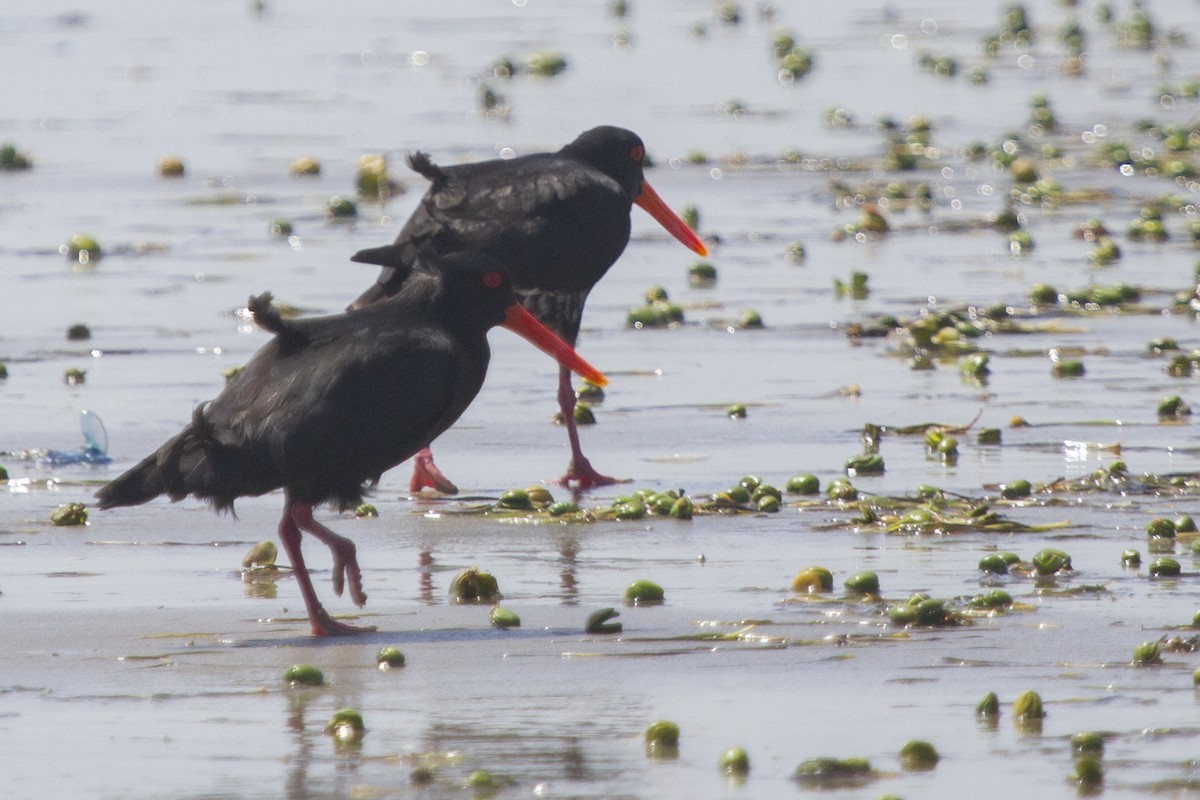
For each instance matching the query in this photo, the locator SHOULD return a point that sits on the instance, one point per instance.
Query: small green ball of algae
(261, 555)
(993, 563)
(366, 511)
(69, 514)
(1068, 368)
(765, 490)
(598, 621)
(539, 495)
(832, 771)
(303, 675)
(517, 499)
(738, 494)
(1028, 705)
(632, 510)
(1088, 743)
(917, 755)
(346, 725)
(1049, 561)
(472, 585)
(750, 320)
(988, 436)
(1016, 489)
(1131, 558)
(681, 509)
(862, 583)
(584, 414)
(702, 274)
(989, 706)
(562, 507)
(1160, 528)
(768, 504)
(644, 592)
(841, 489)
(170, 166)
(306, 166)
(503, 618)
(1147, 654)
(803, 483)
(662, 733)
(389, 657)
(482, 780)
(341, 208)
(81, 247)
(813, 579)
(1165, 568)
(903, 615)
(735, 761)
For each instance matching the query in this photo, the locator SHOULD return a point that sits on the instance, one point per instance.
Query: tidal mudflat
(139, 658)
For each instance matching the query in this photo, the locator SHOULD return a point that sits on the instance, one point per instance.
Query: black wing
(558, 223)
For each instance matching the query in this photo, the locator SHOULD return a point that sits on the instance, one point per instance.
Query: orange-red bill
(654, 205)
(525, 325)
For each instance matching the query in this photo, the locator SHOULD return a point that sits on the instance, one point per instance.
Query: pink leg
(580, 470)
(345, 555)
(426, 473)
(289, 534)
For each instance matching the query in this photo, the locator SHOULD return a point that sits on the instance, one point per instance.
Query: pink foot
(325, 625)
(583, 475)
(297, 516)
(426, 473)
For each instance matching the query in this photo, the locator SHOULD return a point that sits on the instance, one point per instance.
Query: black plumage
(330, 403)
(561, 219)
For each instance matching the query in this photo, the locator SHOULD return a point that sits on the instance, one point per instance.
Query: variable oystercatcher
(561, 219)
(330, 403)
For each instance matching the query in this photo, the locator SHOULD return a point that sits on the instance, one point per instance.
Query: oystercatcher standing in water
(331, 403)
(560, 219)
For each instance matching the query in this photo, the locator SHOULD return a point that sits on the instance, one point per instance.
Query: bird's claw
(583, 476)
(346, 566)
(427, 474)
(325, 625)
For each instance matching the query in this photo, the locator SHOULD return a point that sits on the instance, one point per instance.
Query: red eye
(638, 153)
(492, 280)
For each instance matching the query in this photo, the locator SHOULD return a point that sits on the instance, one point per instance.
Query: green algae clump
(917, 755)
(303, 675)
(735, 761)
(644, 593)
(69, 514)
(472, 585)
(389, 657)
(812, 580)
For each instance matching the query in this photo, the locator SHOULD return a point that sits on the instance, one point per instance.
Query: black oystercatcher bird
(561, 219)
(330, 403)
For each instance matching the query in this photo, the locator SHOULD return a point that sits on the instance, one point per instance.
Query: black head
(470, 286)
(616, 152)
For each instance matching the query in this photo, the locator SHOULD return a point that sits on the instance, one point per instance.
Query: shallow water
(137, 662)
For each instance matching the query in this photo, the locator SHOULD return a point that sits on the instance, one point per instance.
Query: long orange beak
(652, 203)
(525, 325)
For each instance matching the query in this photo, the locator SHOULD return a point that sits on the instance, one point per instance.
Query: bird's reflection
(568, 552)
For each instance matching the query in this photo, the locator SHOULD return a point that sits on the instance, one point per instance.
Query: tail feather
(422, 164)
(181, 467)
